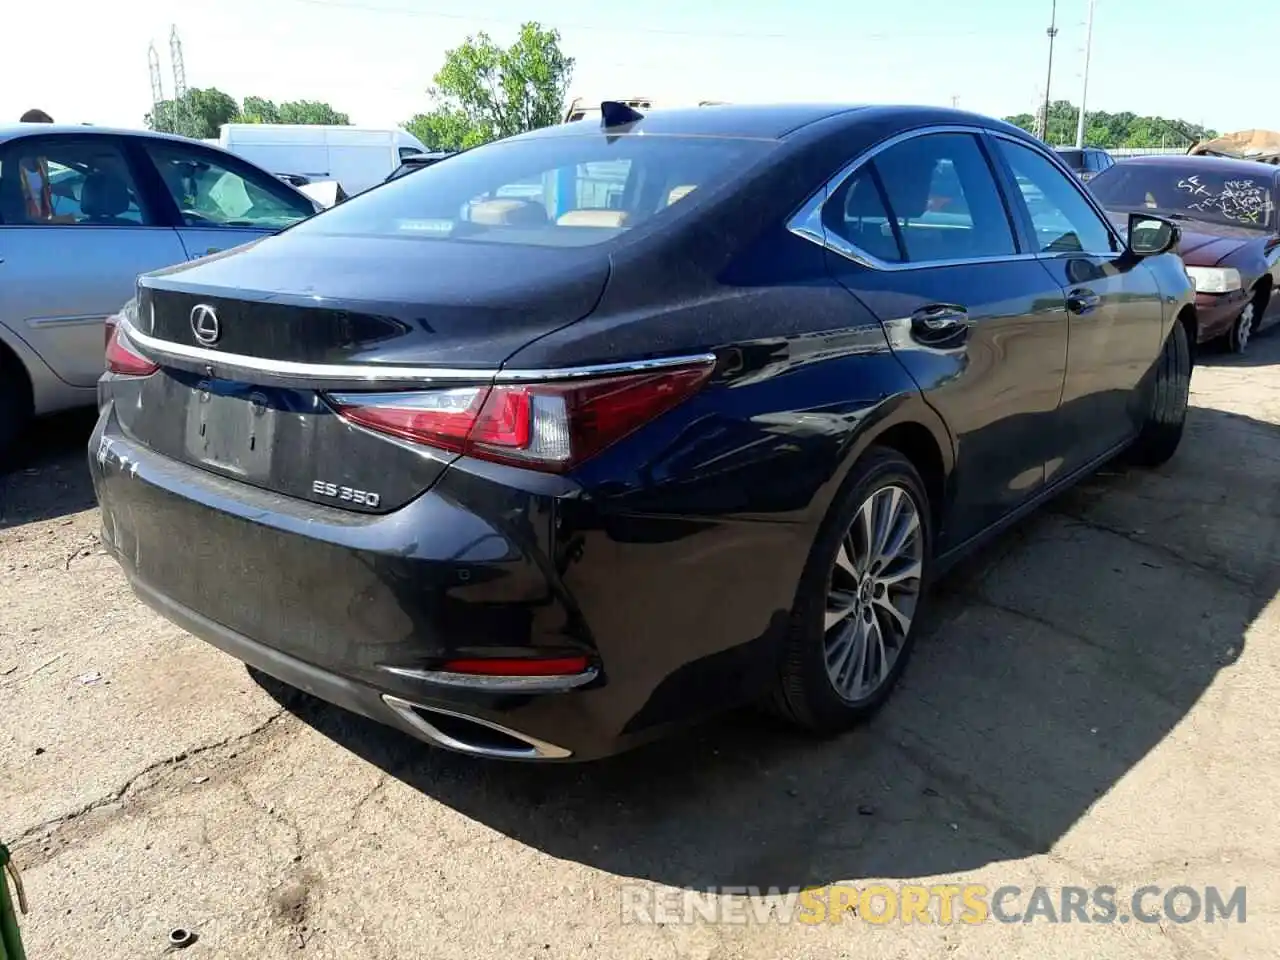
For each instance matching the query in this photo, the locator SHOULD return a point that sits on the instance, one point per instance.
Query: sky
(374, 59)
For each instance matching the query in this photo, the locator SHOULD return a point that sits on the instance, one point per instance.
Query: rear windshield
(565, 191)
(1073, 159)
(1193, 191)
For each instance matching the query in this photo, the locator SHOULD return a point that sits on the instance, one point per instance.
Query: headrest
(863, 199)
(509, 212)
(104, 194)
(593, 218)
(907, 182)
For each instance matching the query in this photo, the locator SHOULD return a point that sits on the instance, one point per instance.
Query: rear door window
(52, 181)
(943, 198)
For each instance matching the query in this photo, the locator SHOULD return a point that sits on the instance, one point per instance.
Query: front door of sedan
(75, 233)
(220, 201)
(1113, 300)
(921, 235)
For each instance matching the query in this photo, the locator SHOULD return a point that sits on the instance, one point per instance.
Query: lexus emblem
(204, 323)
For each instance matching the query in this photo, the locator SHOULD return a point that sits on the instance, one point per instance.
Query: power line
(429, 14)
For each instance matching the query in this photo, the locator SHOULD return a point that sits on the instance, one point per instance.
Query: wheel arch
(910, 426)
(12, 365)
(1191, 321)
(1262, 291)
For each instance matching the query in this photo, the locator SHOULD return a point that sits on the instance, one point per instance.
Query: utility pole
(1084, 89)
(955, 102)
(1052, 32)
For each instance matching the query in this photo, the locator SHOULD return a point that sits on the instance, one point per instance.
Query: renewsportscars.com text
(937, 904)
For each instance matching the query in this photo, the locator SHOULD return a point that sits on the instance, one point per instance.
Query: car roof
(1184, 161)
(770, 121)
(9, 131)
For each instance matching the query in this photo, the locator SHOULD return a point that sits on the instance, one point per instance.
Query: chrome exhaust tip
(471, 735)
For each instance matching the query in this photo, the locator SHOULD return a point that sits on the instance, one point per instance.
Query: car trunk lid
(250, 343)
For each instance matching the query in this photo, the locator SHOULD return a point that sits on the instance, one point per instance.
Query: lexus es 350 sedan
(544, 450)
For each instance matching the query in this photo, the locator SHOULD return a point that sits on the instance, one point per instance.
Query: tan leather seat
(510, 212)
(593, 218)
(680, 192)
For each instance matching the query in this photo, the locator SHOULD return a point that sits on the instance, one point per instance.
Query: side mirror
(1150, 235)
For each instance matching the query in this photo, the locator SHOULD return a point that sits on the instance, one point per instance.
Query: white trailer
(356, 157)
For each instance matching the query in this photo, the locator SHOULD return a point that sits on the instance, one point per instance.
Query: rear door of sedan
(1112, 298)
(68, 262)
(919, 231)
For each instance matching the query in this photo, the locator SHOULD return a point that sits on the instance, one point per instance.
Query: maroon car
(1226, 210)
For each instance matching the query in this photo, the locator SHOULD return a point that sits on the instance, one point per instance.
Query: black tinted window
(1195, 190)
(552, 191)
(1075, 159)
(943, 197)
(857, 213)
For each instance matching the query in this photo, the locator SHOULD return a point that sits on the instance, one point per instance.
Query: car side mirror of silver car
(1150, 235)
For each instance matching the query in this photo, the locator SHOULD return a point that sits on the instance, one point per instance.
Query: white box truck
(356, 157)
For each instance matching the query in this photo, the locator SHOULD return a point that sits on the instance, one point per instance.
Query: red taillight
(545, 426)
(518, 667)
(122, 358)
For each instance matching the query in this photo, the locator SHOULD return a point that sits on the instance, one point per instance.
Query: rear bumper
(358, 609)
(411, 717)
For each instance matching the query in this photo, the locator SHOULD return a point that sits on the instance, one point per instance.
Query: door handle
(939, 322)
(1082, 300)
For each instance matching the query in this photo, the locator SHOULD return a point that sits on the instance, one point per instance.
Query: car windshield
(564, 191)
(1198, 192)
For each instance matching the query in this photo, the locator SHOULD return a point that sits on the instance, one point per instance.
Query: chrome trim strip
(159, 349)
(66, 321)
(553, 683)
(806, 222)
(537, 749)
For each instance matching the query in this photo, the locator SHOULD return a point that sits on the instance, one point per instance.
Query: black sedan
(550, 448)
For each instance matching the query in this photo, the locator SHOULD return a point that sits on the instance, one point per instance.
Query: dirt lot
(1092, 704)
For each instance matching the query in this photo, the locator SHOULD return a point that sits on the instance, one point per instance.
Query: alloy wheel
(873, 589)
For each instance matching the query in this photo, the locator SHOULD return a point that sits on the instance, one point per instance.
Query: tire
(15, 407)
(807, 693)
(1167, 413)
(1241, 333)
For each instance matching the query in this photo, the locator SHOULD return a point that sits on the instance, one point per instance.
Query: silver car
(85, 210)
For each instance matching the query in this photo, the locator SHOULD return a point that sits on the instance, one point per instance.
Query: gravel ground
(1093, 703)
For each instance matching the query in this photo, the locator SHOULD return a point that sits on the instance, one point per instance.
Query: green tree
(260, 110)
(197, 113)
(485, 92)
(1104, 129)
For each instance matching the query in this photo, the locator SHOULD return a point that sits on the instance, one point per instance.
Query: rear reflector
(545, 426)
(518, 667)
(122, 358)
